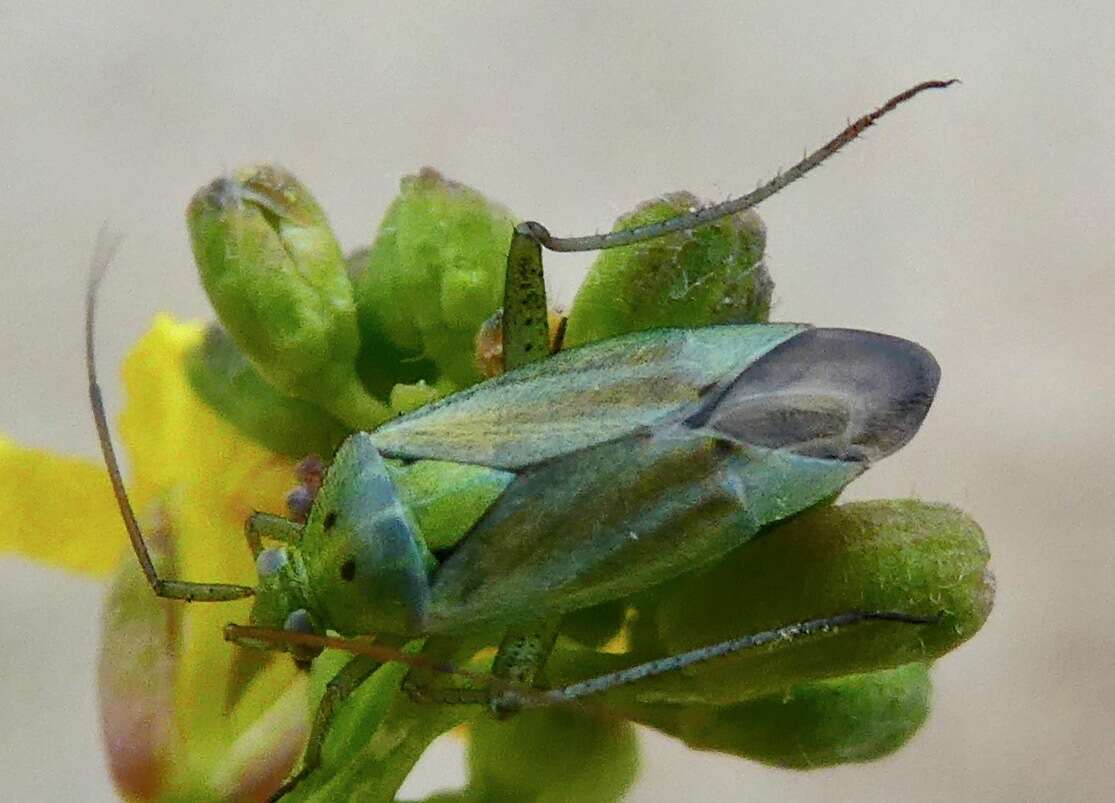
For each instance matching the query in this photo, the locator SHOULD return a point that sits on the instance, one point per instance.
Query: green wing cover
(580, 397)
(611, 509)
(618, 517)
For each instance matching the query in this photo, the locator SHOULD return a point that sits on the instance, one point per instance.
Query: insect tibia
(700, 217)
(535, 230)
(199, 592)
(673, 663)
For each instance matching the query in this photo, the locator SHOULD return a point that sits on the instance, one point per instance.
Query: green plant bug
(573, 479)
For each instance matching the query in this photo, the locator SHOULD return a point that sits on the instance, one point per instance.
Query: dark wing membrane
(829, 393)
(581, 397)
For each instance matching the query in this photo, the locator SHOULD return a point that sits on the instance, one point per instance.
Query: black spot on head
(348, 570)
(330, 520)
(528, 347)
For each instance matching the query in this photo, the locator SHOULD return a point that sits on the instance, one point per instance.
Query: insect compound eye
(329, 520)
(299, 621)
(270, 561)
(298, 503)
(348, 570)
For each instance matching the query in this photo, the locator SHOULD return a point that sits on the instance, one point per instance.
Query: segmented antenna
(709, 214)
(105, 250)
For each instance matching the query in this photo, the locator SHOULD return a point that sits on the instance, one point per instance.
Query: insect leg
(428, 685)
(170, 589)
(337, 690)
(673, 663)
(267, 525)
(709, 214)
(522, 653)
(526, 327)
(435, 662)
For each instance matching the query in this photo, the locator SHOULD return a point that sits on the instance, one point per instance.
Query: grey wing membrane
(842, 394)
(581, 397)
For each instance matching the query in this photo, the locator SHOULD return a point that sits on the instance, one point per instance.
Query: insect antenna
(709, 214)
(514, 696)
(105, 250)
(486, 684)
(274, 637)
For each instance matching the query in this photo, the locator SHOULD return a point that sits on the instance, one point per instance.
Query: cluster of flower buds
(312, 346)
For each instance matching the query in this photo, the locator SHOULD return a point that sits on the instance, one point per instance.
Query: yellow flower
(185, 715)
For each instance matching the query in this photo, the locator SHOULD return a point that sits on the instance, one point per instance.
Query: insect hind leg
(673, 663)
(525, 321)
(518, 664)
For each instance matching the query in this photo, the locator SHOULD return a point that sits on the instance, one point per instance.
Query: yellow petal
(58, 510)
(208, 478)
(136, 672)
(271, 742)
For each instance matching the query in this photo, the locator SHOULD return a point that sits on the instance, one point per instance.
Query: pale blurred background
(976, 221)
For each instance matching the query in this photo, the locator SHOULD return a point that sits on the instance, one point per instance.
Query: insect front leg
(267, 525)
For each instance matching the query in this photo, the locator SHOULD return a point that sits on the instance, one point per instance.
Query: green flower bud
(709, 275)
(839, 721)
(908, 556)
(433, 276)
(276, 276)
(222, 376)
(551, 755)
